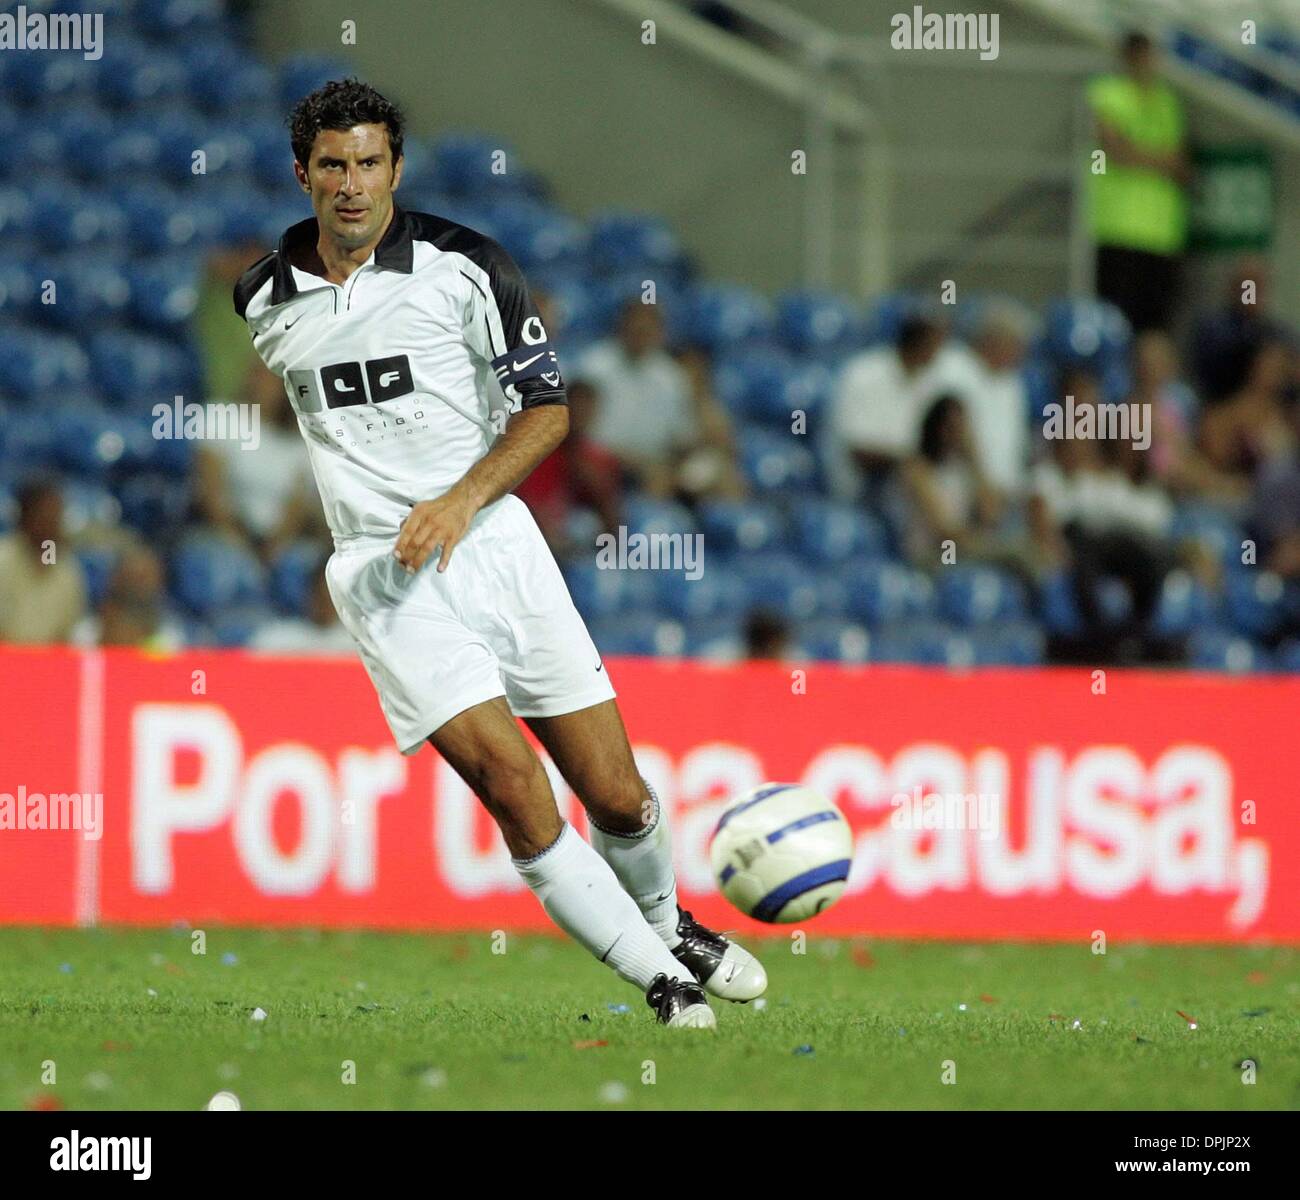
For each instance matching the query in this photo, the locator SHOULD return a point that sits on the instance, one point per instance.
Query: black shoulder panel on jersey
(252, 280)
(527, 360)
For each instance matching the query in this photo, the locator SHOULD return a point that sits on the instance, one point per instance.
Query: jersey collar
(395, 251)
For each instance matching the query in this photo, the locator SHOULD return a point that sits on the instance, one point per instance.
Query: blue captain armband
(528, 362)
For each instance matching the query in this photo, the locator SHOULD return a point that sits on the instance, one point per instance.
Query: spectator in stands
(1098, 509)
(878, 404)
(767, 636)
(949, 499)
(1224, 342)
(1138, 207)
(42, 589)
(133, 611)
(986, 377)
(579, 472)
(222, 337)
(646, 415)
(1275, 509)
(1242, 432)
(710, 468)
(264, 496)
(318, 632)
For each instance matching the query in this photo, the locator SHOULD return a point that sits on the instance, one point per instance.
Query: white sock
(582, 896)
(643, 862)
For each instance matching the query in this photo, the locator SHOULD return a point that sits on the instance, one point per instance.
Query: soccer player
(398, 336)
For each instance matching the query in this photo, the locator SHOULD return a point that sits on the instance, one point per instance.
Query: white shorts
(498, 622)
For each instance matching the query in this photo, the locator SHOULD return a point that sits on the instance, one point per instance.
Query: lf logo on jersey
(348, 383)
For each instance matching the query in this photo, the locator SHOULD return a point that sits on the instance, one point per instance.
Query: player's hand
(430, 524)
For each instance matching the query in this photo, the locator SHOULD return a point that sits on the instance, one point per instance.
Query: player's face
(351, 177)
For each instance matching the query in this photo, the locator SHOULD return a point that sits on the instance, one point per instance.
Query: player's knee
(509, 785)
(621, 804)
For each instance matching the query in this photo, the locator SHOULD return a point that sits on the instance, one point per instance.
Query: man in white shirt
(878, 405)
(645, 416)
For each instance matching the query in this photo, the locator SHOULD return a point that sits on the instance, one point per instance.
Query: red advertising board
(250, 790)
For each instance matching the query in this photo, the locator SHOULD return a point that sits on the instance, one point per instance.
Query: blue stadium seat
(17, 212)
(977, 595)
(155, 505)
(161, 221)
(1287, 656)
(642, 514)
(41, 78)
(1059, 608)
(930, 643)
(775, 461)
(92, 439)
(716, 592)
(885, 315)
(233, 625)
(720, 638)
(133, 75)
(1215, 650)
(720, 316)
(812, 322)
(830, 532)
(132, 151)
(97, 565)
(164, 294)
(1013, 644)
(740, 526)
(1253, 601)
(622, 239)
(169, 20)
(134, 366)
(291, 575)
(210, 573)
(537, 236)
(1213, 528)
(598, 592)
(20, 290)
(785, 583)
(30, 439)
(638, 634)
(88, 504)
(1085, 333)
(463, 164)
(32, 361)
(300, 74)
(1184, 605)
(67, 218)
(226, 81)
(834, 639)
(89, 291)
(880, 593)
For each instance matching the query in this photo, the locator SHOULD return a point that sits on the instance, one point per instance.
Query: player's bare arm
(529, 437)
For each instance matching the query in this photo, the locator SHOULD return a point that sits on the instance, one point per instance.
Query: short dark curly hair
(341, 104)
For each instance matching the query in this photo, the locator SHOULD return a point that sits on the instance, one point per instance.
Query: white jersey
(397, 374)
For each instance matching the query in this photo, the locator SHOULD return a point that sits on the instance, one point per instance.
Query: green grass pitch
(133, 1019)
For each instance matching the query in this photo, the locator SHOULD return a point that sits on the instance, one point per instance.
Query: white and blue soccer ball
(781, 853)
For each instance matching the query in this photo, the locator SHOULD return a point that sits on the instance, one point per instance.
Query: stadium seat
(1085, 333)
(210, 573)
(977, 595)
(720, 638)
(643, 514)
(720, 316)
(300, 74)
(783, 582)
(88, 504)
(597, 592)
(1215, 650)
(1253, 601)
(919, 641)
(740, 526)
(716, 592)
(234, 625)
(622, 239)
(33, 362)
(829, 532)
(463, 164)
(1184, 605)
(133, 75)
(775, 461)
(1014, 644)
(638, 634)
(811, 322)
(97, 565)
(834, 639)
(133, 366)
(155, 505)
(291, 574)
(164, 295)
(883, 592)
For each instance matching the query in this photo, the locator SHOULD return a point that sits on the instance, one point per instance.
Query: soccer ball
(781, 853)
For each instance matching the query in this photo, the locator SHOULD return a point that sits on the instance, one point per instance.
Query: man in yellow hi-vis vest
(1138, 206)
